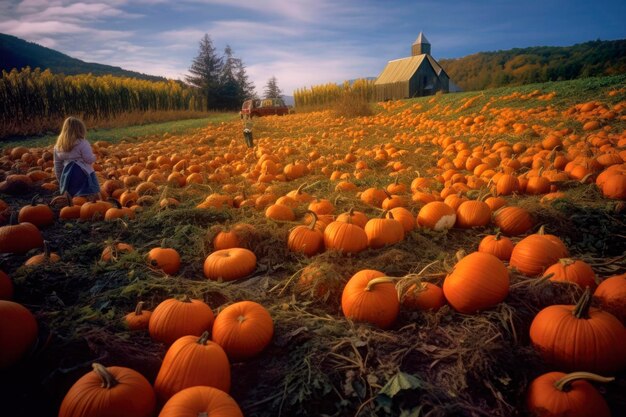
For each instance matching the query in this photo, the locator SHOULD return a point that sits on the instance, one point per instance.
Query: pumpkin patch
(317, 273)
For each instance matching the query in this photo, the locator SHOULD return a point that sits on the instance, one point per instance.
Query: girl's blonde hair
(73, 129)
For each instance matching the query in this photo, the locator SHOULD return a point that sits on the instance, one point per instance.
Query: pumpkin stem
(300, 188)
(395, 182)
(460, 254)
(203, 338)
(13, 218)
(565, 384)
(387, 193)
(426, 267)
(139, 308)
(46, 250)
(312, 225)
(70, 203)
(585, 178)
(380, 280)
(186, 299)
(108, 380)
(581, 310)
(384, 214)
(114, 202)
(33, 201)
(566, 261)
(542, 230)
(497, 236)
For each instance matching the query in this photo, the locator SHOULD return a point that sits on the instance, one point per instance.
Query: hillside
(537, 64)
(18, 53)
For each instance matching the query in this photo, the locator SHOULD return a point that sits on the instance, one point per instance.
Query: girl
(247, 130)
(73, 161)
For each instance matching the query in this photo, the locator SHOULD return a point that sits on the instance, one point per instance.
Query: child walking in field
(247, 130)
(73, 161)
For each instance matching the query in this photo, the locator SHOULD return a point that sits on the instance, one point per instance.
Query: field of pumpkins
(453, 255)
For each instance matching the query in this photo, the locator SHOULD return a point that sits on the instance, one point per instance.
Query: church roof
(400, 70)
(421, 39)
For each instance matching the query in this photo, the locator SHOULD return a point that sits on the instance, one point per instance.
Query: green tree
(271, 89)
(206, 73)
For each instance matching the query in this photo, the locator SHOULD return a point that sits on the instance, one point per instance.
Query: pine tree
(271, 89)
(205, 73)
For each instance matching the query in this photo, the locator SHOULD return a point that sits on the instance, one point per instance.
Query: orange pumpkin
(370, 297)
(173, 318)
(40, 215)
(201, 401)
(306, 239)
(423, 296)
(18, 332)
(499, 246)
(404, 216)
(570, 270)
(243, 330)
(112, 251)
(355, 217)
(19, 238)
(533, 254)
(436, 215)
(192, 361)
(112, 391)
(166, 259)
(345, 237)
(612, 295)
(560, 394)
(477, 282)
(570, 337)
(383, 231)
(473, 213)
(513, 221)
(138, 319)
(229, 264)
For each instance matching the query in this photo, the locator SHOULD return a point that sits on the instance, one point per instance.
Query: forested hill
(537, 64)
(18, 53)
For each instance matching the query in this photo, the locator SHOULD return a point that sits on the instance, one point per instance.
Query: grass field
(427, 363)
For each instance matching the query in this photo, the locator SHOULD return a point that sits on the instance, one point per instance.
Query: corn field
(35, 100)
(326, 94)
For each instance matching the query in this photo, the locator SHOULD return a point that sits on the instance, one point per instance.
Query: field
(319, 363)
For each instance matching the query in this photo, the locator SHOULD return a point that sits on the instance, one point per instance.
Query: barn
(414, 76)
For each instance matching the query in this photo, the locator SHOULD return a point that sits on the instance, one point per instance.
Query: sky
(301, 42)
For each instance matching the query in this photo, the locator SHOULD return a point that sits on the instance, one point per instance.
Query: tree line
(537, 64)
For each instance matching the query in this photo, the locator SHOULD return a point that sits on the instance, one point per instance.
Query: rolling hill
(18, 53)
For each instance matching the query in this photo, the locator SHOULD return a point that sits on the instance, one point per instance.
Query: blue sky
(301, 42)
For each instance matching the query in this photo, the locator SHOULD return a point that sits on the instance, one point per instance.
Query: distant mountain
(18, 53)
(537, 64)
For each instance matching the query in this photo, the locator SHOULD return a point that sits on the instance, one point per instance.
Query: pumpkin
(533, 254)
(166, 259)
(404, 216)
(201, 401)
(537, 185)
(477, 282)
(373, 196)
(495, 203)
(18, 332)
(243, 330)
(579, 337)
(370, 297)
(94, 210)
(353, 216)
(499, 246)
(138, 319)
(118, 212)
(40, 215)
(113, 250)
(383, 231)
(6, 286)
(112, 391)
(612, 296)
(306, 239)
(423, 296)
(192, 361)
(321, 206)
(614, 187)
(436, 215)
(19, 238)
(46, 257)
(473, 213)
(280, 212)
(226, 239)
(513, 221)
(229, 264)
(299, 195)
(507, 184)
(71, 211)
(571, 270)
(172, 319)
(560, 394)
(345, 237)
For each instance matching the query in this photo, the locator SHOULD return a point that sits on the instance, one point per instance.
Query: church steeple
(420, 46)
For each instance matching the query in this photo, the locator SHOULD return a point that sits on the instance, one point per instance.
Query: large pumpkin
(306, 239)
(383, 231)
(243, 330)
(20, 238)
(578, 337)
(201, 401)
(18, 332)
(499, 246)
(477, 282)
(40, 215)
(436, 215)
(612, 295)
(229, 264)
(191, 361)
(557, 394)
(345, 237)
(473, 213)
(370, 297)
(513, 221)
(106, 392)
(174, 318)
(533, 254)
(572, 270)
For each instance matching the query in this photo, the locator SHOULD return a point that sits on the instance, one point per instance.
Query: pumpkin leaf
(399, 382)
